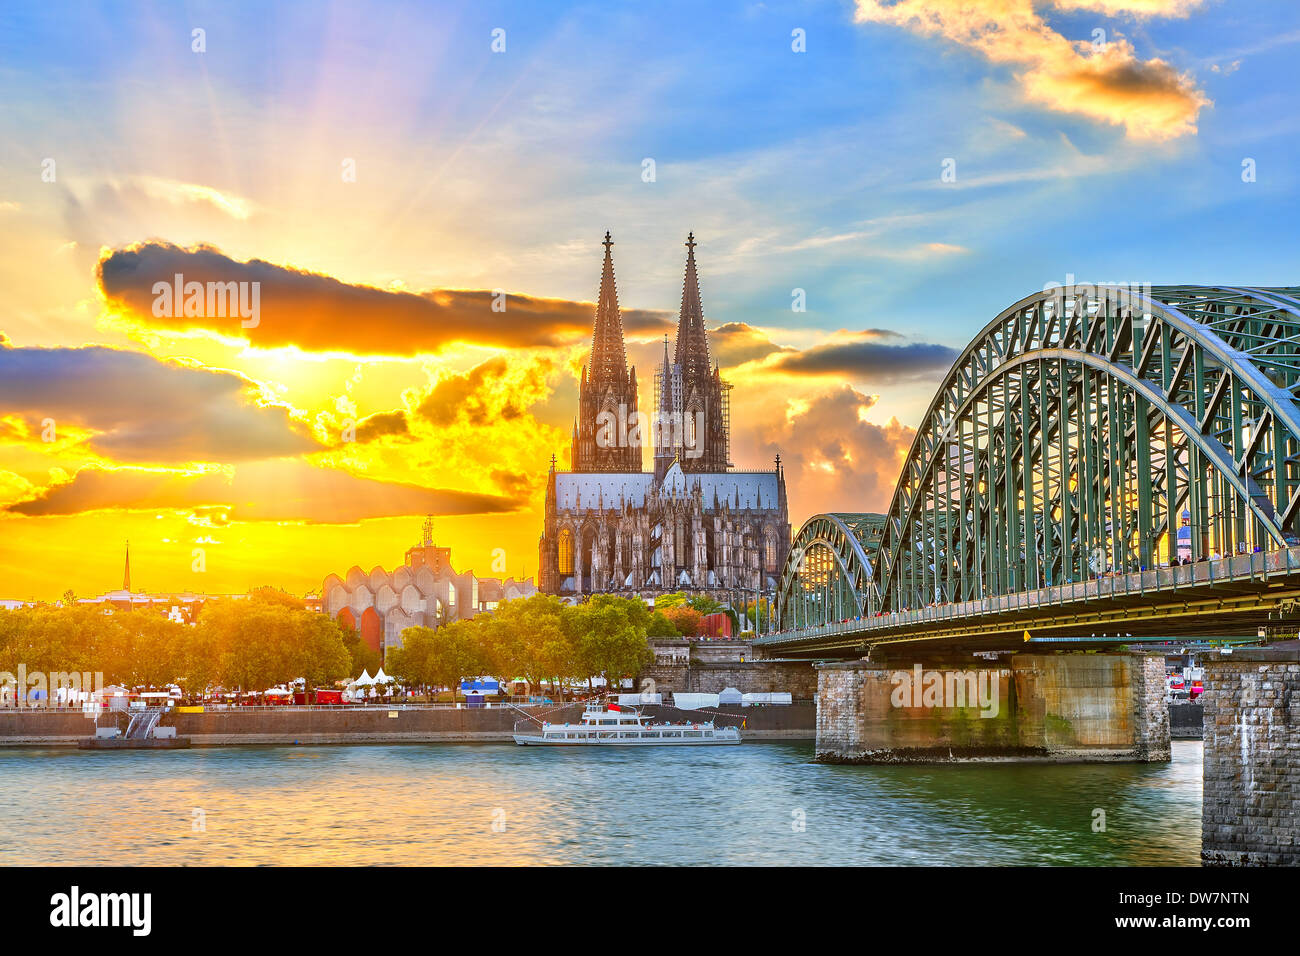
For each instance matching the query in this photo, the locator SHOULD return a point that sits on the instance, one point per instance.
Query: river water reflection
(760, 803)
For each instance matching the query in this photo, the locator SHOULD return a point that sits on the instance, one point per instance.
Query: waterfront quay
(398, 723)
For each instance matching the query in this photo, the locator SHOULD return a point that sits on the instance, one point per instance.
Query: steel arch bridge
(828, 573)
(1071, 442)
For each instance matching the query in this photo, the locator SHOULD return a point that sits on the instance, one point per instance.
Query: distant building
(183, 607)
(1185, 537)
(425, 591)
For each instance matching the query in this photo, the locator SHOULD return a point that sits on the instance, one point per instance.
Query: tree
(260, 643)
(457, 653)
(439, 657)
(198, 661)
(526, 638)
(148, 649)
(410, 662)
(763, 610)
(685, 619)
(363, 657)
(269, 595)
(664, 601)
(660, 626)
(705, 604)
(610, 636)
(324, 659)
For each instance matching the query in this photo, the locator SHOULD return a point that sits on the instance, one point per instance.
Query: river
(759, 803)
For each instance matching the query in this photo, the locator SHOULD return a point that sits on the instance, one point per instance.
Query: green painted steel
(1071, 440)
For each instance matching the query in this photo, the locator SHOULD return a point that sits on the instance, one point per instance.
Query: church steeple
(126, 573)
(608, 355)
(692, 341)
(603, 436)
(699, 404)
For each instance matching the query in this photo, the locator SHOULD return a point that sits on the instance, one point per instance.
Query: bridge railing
(1257, 567)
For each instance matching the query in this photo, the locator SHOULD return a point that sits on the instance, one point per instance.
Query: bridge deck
(1235, 594)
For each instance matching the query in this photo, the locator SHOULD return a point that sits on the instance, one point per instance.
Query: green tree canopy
(660, 626)
(610, 637)
(439, 657)
(526, 638)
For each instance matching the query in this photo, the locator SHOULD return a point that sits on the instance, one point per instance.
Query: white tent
(365, 680)
(694, 701)
(634, 700)
(730, 695)
(381, 677)
(776, 697)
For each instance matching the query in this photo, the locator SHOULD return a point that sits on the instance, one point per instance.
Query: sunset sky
(1105, 139)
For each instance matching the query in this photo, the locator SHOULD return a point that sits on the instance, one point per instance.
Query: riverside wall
(293, 725)
(709, 667)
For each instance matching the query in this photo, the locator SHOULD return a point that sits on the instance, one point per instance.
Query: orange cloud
(284, 490)
(130, 406)
(837, 460)
(1106, 82)
(319, 313)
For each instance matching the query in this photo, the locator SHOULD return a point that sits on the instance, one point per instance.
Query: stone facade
(1250, 813)
(690, 667)
(1069, 707)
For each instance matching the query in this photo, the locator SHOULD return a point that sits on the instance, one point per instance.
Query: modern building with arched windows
(424, 591)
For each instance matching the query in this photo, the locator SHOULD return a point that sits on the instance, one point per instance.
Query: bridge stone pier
(1066, 707)
(1250, 813)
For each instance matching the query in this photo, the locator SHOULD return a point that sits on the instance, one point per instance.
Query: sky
(387, 172)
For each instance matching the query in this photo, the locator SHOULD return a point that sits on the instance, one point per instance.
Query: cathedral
(692, 523)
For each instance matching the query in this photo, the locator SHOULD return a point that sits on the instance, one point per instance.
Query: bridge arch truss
(828, 574)
(1085, 432)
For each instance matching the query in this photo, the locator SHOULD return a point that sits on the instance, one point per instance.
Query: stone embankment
(346, 725)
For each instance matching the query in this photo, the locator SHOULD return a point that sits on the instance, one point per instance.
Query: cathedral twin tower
(691, 423)
(692, 523)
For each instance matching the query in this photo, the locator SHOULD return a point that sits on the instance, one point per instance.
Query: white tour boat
(619, 727)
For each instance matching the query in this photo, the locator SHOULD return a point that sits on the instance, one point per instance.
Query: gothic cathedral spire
(604, 438)
(693, 425)
(692, 353)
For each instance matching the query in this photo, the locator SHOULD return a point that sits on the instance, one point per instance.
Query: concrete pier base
(1250, 811)
(1030, 707)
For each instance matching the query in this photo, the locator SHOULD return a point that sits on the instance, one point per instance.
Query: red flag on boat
(617, 709)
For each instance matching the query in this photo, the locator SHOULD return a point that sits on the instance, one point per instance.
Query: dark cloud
(146, 410)
(382, 424)
(516, 486)
(285, 490)
(319, 313)
(867, 359)
(494, 390)
(735, 343)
